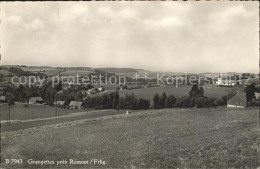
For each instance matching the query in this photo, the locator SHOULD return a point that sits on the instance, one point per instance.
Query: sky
(157, 36)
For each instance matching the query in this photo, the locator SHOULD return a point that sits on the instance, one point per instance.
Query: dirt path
(15, 126)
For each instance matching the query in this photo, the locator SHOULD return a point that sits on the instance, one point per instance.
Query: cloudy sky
(167, 36)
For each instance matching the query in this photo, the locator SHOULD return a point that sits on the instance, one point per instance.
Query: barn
(238, 101)
(75, 104)
(35, 100)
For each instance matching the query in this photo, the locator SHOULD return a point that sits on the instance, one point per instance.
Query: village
(48, 113)
(81, 92)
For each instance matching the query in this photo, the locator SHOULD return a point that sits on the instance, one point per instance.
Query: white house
(91, 91)
(225, 81)
(219, 82)
(3, 99)
(100, 89)
(257, 95)
(75, 104)
(35, 100)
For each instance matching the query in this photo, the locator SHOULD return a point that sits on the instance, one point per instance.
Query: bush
(204, 102)
(183, 102)
(253, 103)
(143, 104)
(113, 101)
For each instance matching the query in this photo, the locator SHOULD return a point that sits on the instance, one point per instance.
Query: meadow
(22, 111)
(168, 138)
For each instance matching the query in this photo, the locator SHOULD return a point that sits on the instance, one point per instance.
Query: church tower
(220, 79)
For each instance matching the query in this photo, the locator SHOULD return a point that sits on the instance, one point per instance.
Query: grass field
(32, 123)
(148, 93)
(75, 73)
(50, 71)
(20, 112)
(170, 138)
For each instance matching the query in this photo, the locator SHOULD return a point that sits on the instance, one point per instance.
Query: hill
(75, 73)
(120, 70)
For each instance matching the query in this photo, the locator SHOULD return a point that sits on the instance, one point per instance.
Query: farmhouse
(75, 104)
(238, 101)
(225, 81)
(35, 100)
(100, 89)
(3, 99)
(59, 103)
(91, 91)
(257, 95)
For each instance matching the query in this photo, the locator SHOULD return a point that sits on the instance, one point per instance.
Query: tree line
(195, 98)
(114, 101)
(48, 93)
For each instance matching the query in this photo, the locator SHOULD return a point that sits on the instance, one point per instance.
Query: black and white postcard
(129, 85)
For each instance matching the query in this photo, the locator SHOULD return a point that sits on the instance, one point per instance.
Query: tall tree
(50, 96)
(115, 100)
(163, 100)
(250, 93)
(201, 91)
(156, 101)
(20, 94)
(10, 98)
(170, 101)
(79, 96)
(195, 91)
(58, 87)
